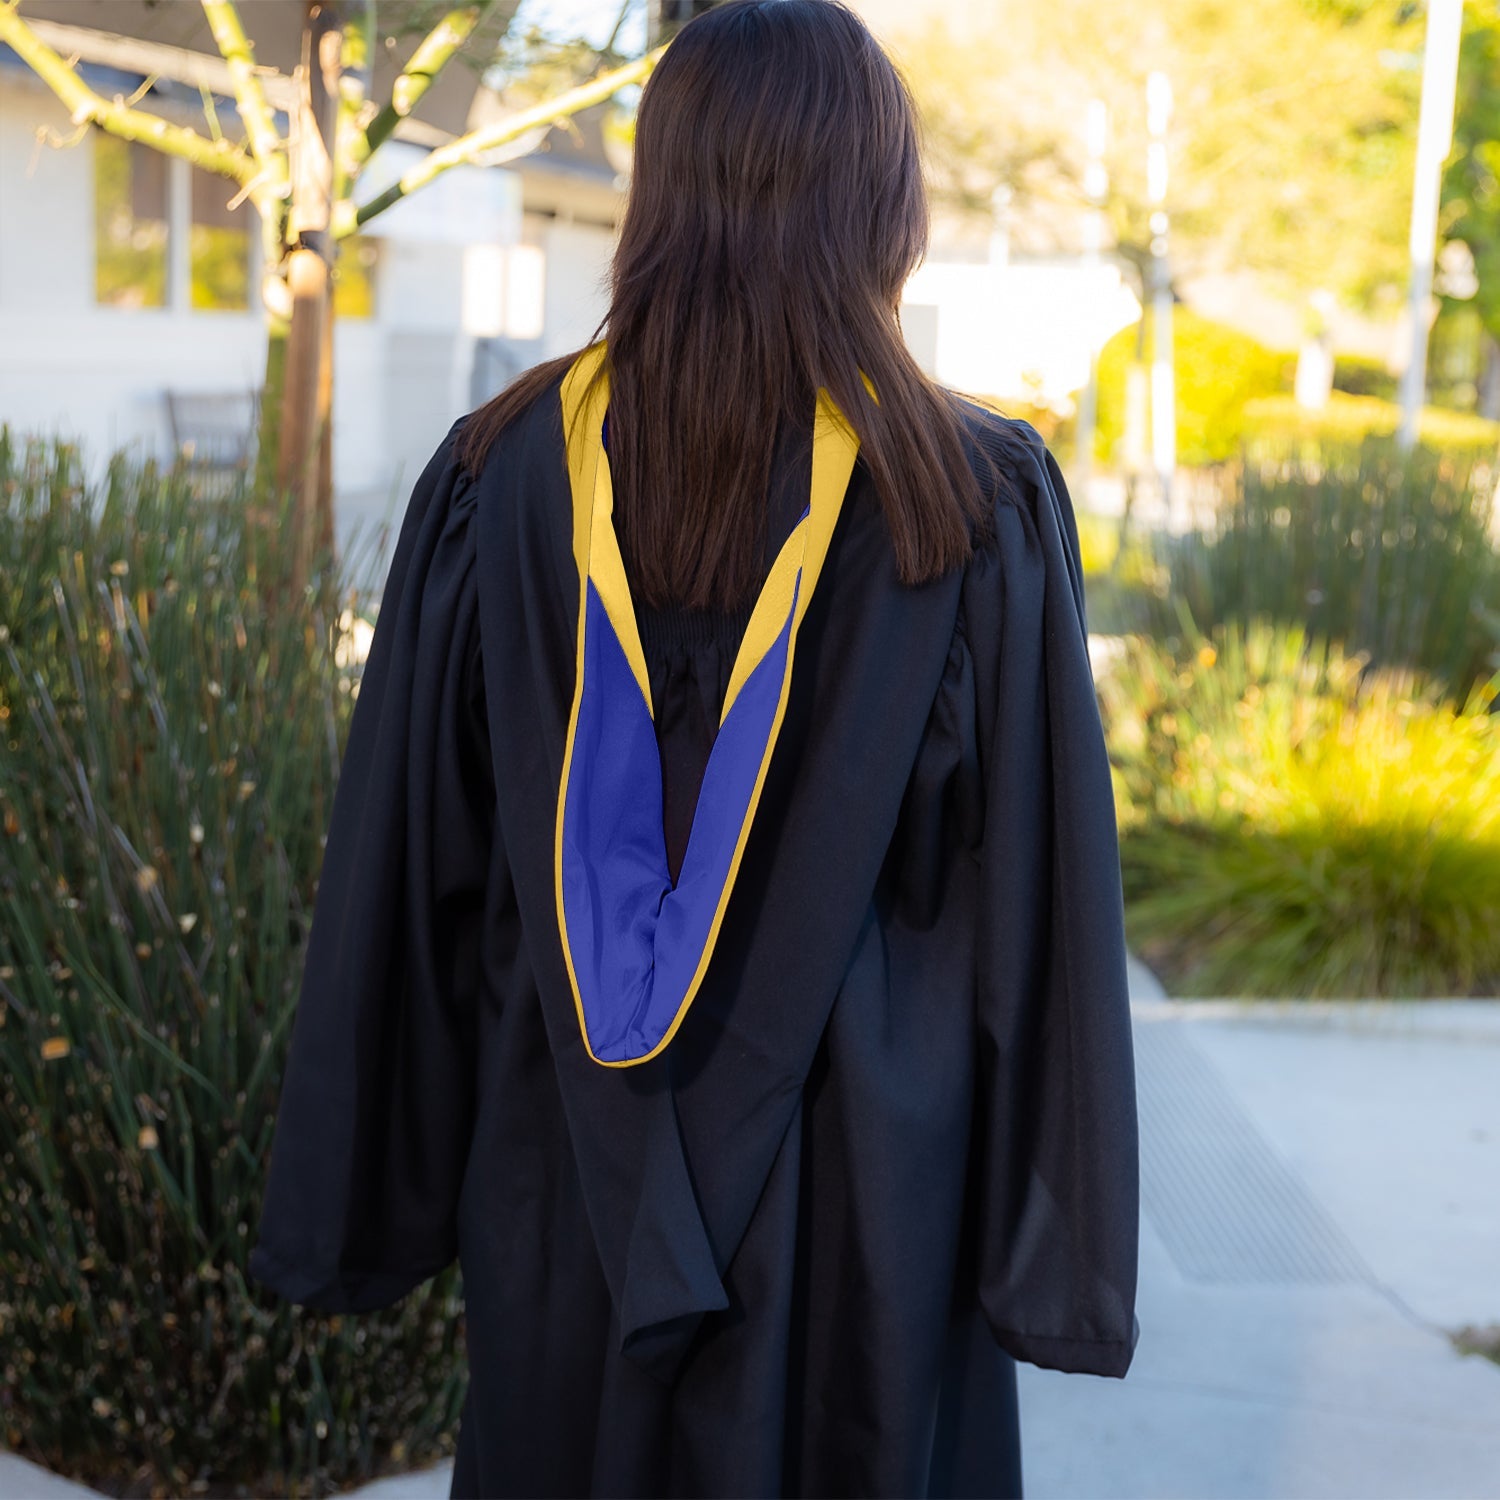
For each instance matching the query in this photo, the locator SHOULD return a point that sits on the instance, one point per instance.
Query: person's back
(719, 948)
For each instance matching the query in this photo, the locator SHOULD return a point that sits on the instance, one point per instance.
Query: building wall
(577, 287)
(98, 374)
(67, 365)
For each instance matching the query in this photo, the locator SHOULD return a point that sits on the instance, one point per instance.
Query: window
(130, 223)
(354, 277)
(164, 234)
(219, 244)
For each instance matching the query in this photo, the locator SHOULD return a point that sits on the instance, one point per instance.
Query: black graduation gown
(892, 1147)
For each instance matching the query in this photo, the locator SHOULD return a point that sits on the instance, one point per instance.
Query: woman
(719, 946)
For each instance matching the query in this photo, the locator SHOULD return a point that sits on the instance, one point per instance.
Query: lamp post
(1163, 394)
(1434, 140)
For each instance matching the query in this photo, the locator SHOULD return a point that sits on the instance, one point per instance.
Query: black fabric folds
(1058, 1172)
(892, 1147)
(377, 1101)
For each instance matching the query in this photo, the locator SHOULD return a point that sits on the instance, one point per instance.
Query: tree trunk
(297, 469)
(323, 541)
(302, 466)
(323, 532)
(273, 388)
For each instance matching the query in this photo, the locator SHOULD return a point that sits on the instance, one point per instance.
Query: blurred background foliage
(1349, 419)
(1302, 721)
(1296, 824)
(1218, 371)
(1292, 137)
(1265, 178)
(1385, 552)
(1307, 196)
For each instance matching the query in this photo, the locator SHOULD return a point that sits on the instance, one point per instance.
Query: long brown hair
(776, 208)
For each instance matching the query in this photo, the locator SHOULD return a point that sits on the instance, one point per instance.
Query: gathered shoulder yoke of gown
(892, 1144)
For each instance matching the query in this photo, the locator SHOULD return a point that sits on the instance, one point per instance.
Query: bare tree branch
(433, 54)
(118, 118)
(250, 97)
(355, 64)
(468, 147)
(620, 19)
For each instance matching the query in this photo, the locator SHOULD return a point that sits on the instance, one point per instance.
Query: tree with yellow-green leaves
(1291, 145)
(1291, 142)
(301, 185)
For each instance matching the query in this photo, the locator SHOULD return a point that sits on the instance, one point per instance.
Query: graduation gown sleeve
(1056, 1123)
(377, 1099)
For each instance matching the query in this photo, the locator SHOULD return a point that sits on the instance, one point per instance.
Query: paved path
(1321, 1203)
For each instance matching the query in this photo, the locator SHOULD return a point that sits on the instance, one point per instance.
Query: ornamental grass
(170, 731)
(1295, 823)
(1394, 554)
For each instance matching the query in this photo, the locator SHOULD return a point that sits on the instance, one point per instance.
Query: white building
(124, 276)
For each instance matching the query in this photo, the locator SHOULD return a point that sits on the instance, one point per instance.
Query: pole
(1434, 140)
(1095, 186)
(1163, 393)
(1000, 201)
(304, 414)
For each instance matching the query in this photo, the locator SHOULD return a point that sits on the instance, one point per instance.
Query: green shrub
(1121, 588)
(1389, 553)
(1455, 355)
(1217, 371)
(168, 751)
(1098, 541)
(1347, 419)
(1294, 824)
(1358, 375)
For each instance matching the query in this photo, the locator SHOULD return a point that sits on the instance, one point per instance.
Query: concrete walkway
(1320, 1207)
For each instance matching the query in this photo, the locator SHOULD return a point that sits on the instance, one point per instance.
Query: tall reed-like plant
(1391, 553)
(170, 733)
